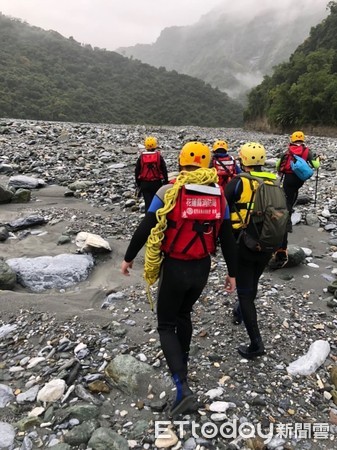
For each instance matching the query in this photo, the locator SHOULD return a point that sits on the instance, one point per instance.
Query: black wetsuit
(250, 268)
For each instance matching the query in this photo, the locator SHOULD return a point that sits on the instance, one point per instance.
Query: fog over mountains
(235, 44)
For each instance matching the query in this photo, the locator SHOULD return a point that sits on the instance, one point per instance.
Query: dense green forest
(45, 76)
(303, 91)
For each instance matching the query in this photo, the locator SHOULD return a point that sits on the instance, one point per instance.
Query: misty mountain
(45, 76)
(232, 47)
(302, 92)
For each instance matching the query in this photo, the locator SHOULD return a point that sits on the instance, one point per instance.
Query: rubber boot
(256, 348)
(185, 401)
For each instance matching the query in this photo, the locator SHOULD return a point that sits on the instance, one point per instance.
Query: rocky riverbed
(81, 366)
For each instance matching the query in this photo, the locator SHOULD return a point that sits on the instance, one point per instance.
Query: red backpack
(293, 149)
(225, 167)
(150, 166)
(193, 224)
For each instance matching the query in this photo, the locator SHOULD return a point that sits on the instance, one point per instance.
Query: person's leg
(149, 189)
(147, 196)
(237, 316)
(291, 186)
(250, 270)
(200, 271)
(180, 285)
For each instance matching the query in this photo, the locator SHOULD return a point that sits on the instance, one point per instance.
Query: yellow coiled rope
(153, 255)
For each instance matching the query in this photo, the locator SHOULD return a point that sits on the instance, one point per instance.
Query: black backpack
(266, 221)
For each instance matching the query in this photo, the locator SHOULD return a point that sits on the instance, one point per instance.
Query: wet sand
(85, 299)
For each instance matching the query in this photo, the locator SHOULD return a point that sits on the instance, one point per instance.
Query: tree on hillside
(302, 91)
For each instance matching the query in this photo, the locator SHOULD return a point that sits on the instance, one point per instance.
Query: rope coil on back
(153, 255)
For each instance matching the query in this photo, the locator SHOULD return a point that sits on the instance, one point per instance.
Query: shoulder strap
(250, 205)
(250, 177)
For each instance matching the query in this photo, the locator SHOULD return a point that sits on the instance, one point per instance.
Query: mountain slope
(45, 76)
(303, 91)
(231, 48)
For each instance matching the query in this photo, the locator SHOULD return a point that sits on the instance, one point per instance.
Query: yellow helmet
(150, 143)
(252, 154)
(297, 136)
(195, 154)
(220, 144)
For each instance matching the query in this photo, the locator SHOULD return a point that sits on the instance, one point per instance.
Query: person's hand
(125, 267)
(230, 284)
(316, 163)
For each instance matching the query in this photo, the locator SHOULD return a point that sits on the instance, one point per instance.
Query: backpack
(226, 168)
(194, 222)
(301, 168)
(150, 167)
(289, 157)
(266, 222)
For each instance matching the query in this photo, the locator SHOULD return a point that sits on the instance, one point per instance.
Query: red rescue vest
(150, 167)
(225, 167)
(293, 149)
(193, 224)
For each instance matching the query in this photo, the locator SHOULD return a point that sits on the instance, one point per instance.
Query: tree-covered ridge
(302, 91)
(233, 51)
(44, 76)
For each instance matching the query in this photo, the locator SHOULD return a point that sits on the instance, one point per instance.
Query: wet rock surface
(81, 365)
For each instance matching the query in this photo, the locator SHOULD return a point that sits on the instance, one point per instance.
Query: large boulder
(51, 272)
(133, 377)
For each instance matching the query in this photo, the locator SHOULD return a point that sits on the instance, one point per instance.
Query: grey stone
(130, 375)
(7, 276)
(63, 240)
(24, 181)
(6, 168)
(83, 412)
(312, 220)
(7, 435)
(26, 222)
(80, 185)
(81, 433)
(51, 272)
(296, 255)
(4, 234)
(22, 196)
(6, 395)
(61, 447)
(6, 195)
(104, 438)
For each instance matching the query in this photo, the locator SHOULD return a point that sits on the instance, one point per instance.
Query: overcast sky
(121, 23)
(108, 23)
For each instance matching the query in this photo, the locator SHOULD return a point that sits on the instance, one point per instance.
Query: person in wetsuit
(251, 264)
(291, 186)
(150, 170)
(198, 218)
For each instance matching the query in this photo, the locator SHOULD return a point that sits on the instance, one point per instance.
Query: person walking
(291, 185)
(180, 230)
(224, 163)
(150, 171)
(240, 194)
